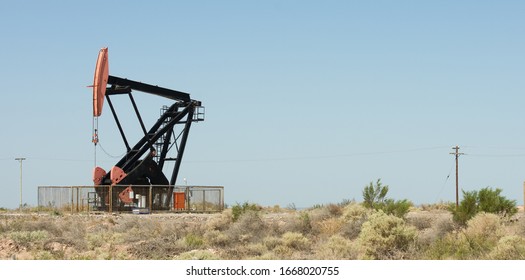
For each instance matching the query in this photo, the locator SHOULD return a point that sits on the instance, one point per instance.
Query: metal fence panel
(141, 199)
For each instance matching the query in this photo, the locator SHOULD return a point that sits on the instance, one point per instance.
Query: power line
(445, 182)
(497, 155)
(318, 156)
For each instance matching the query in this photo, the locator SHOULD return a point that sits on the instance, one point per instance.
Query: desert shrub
(74, 234)
(518, 227)
(295, 240)
(355, 211)
(354, 215)
(334, 209)
(221, 221)
(331, 226)
(45, 255)
(486, 200)
(249, 228)
(320, 221)
(443, 225)
(27, 238)
(345, 202)
(136, 230)
(35, 223)
(188, 227)
(267, 256)
(275, 209)
(271, 242)
(160, 248)
(304, 223)
(235, 252)
(83, 256)
(57, 248)
(351, 229)
(197, 255)
(193, 241)
(421, 220)
(99, 238)
(238, 210)
(293, 245)
(374, 197)
(450, 246)
(282, 252)
(254, 250)
(509, 248)
(436, 206)
(386, 236)
(318, 214)
(483, 231)
(216, 238)
(475, 241)
(439, 227)
(479, 237)
(337, 248)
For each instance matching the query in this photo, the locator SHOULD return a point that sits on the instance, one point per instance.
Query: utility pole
(20, 160)
(457, 154)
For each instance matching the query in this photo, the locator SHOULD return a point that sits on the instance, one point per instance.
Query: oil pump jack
(142, 163)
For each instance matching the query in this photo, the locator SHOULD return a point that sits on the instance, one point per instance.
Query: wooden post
(457, 154)
(150, 200)
(111, 199)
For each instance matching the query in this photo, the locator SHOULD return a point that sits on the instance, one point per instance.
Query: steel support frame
(163, 127)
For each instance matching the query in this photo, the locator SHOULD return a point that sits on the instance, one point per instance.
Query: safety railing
(132, 198)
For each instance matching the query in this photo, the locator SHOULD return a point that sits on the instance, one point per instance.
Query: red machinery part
(98, 175)
(100, 81)
(125, 196)
(117, 174)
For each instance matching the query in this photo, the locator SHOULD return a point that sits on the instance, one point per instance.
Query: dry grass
(334, 231)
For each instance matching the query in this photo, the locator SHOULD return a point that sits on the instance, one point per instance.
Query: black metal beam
(153, 135)
(137, 113)
(187, 126)
(118, 124)
(165, 147)
(156, 90)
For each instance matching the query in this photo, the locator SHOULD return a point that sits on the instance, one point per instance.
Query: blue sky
(306, 101)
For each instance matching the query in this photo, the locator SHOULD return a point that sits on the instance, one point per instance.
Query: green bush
(486, 200)
(491, 201)
(466, 209)
(374, 197)
(238, 209)
(374, 194)
(398, 208)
